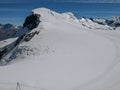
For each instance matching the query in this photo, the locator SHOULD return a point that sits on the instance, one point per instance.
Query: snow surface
(65, 56)
(92, 25)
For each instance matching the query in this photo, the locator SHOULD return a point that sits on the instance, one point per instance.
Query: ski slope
(65, 56)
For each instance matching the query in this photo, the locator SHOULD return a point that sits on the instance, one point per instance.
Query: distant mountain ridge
(113, 22)
(8, 26)
(9, 31)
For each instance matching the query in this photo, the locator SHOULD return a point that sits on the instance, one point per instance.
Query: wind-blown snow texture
(68, 54)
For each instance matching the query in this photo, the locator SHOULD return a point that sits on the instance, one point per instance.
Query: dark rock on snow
(32, 21)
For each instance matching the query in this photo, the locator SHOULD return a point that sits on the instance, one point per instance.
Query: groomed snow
(70, 57)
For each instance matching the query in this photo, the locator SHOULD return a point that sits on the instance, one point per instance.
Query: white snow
(68, 57)
(70, 16)
(94, 26)
(6, 42)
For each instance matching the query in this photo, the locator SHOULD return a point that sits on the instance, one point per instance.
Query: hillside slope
(65, 56)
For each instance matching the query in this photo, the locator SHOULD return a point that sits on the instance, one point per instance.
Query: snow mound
(70, 16)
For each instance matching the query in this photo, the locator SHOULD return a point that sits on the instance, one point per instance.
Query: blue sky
(15, 11)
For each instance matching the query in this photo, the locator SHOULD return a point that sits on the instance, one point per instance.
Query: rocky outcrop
(32, 21)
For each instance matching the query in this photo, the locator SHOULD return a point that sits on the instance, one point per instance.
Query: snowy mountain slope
(88, 23)
(65, 56)
(70, 16)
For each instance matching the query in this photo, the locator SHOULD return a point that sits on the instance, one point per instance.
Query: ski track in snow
(113, 39)
(116, 41)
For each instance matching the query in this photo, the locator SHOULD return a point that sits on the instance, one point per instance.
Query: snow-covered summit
(47, 14)
(42, 11)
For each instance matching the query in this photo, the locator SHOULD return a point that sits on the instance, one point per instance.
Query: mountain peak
(43, 11)
(39, 10)
(48, 14)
